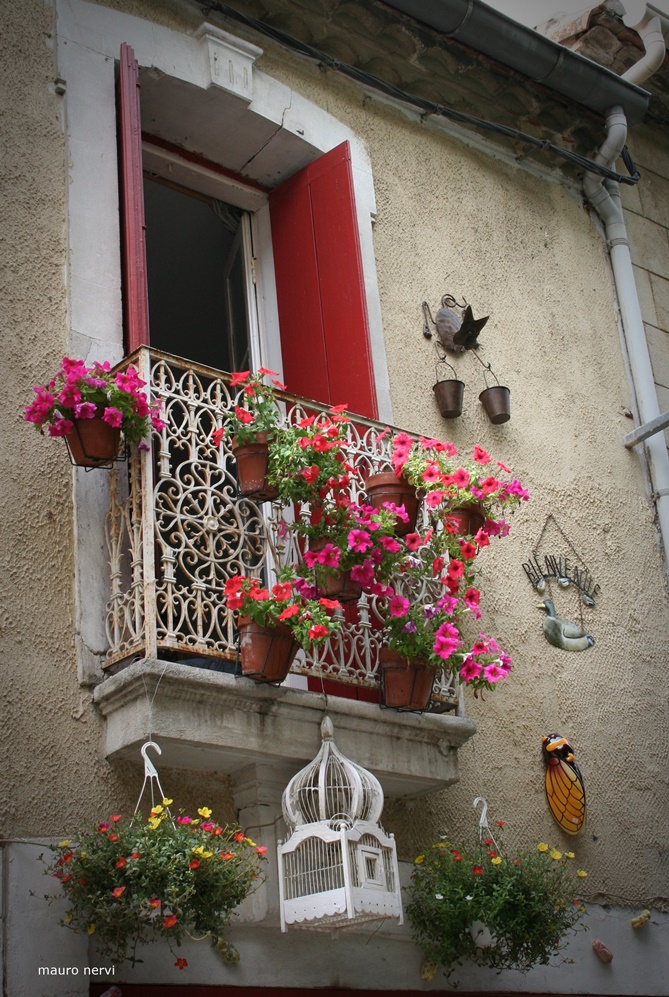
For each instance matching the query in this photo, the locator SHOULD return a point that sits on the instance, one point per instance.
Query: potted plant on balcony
(423, 616)
(274, 623)
(469, 495)
(92, 408)
(129, 880)
(505, 911)
(252, 425)
(307, 459)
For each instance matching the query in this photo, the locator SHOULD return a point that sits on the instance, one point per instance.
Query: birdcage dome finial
(331, 786)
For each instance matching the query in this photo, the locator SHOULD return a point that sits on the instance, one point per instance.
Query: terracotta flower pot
(252, 459)
(266, 653)
(93, 443)
(387, 487)
(405, 684)
(467, 519)
(332, 583)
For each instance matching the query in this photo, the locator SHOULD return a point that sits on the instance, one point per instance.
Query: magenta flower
(363, 574)
(359, 540)
(390, 544)
(113, 417)
(61, 427)
(397, 510)
(445, 646)
(461, 477)
(493, 673)
(85, 410)
(329, 556)
(470, 670)
(399, 606)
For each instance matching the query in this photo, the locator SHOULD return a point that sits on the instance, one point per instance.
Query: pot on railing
(406, 684)
(252, 462)
(387, 487)
(266, 653)
(466, 519)
(93, 442)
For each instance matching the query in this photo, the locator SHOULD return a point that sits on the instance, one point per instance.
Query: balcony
(175, 532)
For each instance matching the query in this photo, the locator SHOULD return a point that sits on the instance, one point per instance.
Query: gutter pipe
(604, 196)
(539, 58)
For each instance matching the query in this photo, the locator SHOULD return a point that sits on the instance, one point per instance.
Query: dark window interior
(197, 296)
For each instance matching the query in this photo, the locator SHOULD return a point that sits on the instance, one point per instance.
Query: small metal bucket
(497, 403)
(449, 394)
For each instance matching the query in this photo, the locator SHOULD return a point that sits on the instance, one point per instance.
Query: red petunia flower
(181, 963)
(170, 921)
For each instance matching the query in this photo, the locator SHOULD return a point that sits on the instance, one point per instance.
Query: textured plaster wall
(450, 219)
(53, 773)
(526, 251)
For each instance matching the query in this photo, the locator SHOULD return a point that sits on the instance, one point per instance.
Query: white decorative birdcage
(338, 867)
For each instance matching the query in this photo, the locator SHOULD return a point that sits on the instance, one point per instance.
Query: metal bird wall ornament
(560, 633)
(456, 332)
(565, 791)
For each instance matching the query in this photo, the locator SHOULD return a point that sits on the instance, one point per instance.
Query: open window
(194, 295)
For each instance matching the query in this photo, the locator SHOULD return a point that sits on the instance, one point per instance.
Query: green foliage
(129, 881)
(307, 458)
(526, 902)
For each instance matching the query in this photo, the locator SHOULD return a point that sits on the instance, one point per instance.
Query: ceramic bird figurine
(561, 633)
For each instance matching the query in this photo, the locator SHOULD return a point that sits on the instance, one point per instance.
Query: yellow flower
(204, 812)
(555, 854)
(206, 855)
(542, 846)
(441, 844)
(167, 802)
(91, 929)
(154, 822)
(194, 822)
(156, 810)
(569, 855)
(67, 918)
(249, 842)
(582, 873)
(497, 860)
(419, 859)
(64, 844)
(83, 855)
(197, 849)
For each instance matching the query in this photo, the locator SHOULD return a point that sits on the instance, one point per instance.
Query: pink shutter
(133, 243)
(320, 286)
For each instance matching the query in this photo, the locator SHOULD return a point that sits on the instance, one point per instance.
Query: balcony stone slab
(213, 721)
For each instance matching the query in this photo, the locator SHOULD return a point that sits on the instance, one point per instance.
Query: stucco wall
(450, 219)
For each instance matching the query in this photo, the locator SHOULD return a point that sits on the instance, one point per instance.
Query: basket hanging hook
(150, 774)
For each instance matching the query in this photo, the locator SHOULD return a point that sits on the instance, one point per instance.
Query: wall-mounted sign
(561, 566)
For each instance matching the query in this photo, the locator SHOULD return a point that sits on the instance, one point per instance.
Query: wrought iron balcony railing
(177, 530)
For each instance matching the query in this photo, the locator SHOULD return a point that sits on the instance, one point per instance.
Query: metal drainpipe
(604, 196)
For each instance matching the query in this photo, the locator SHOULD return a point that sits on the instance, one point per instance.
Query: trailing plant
(423, 613)
(498, 910)
(129, 880)
(81, 392)
(310, 619)
(256, 409)
(450, 481)
(306, 461)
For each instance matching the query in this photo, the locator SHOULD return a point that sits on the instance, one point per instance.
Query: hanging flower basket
(387, 487)
(132, 881)
(406, 684)
(252, 461)
(266, 653)
(93, 442)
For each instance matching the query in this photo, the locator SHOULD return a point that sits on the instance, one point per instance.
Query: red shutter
(320, 285)
(135, 293)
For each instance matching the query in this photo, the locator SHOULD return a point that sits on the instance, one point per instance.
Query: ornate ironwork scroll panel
(177, 530)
